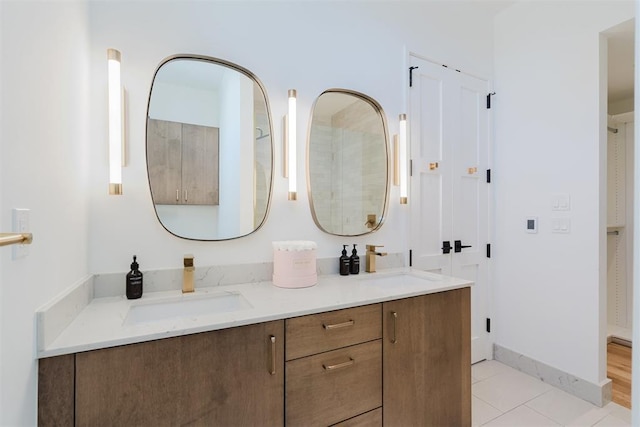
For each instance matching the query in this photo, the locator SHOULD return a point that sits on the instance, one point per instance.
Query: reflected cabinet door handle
(186, 195)
(177, 195)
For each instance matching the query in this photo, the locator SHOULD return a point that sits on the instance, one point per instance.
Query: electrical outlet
(20, 219)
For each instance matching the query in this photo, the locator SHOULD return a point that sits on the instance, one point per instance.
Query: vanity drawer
(315, 333)
(331, 387)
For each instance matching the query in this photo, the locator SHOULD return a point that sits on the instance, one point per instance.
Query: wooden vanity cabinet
(56, 397)
(427, 360)
(399, 363)
(221, 378)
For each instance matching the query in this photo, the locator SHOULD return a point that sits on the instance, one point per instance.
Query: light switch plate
(560, 202)
(20, 224)
(561, 225)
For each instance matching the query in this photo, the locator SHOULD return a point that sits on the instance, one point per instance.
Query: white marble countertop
(103, 322)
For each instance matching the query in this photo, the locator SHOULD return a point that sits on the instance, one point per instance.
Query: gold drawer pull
(394, 315)
(272, 371)
(433, 166)
(339, 325)
(338, 365)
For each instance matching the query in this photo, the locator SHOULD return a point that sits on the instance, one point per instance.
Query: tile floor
(503, 396)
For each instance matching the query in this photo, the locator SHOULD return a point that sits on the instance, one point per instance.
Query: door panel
(431, 125)
(430, 252)
(430, 211)
(449, 145)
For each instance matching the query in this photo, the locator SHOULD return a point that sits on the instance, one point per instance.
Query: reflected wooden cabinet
(427, 360)
(184, 163)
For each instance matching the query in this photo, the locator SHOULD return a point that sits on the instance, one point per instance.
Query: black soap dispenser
(134, 281)
(354, 261)
(344, 262)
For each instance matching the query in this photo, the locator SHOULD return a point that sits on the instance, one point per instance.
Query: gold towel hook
(15, 239)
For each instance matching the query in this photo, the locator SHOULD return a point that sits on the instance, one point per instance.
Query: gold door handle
(339, 325)
(186, 195)
(338, 365)
(177, 195)
(433, 166)
(272, 371)
(394, 319)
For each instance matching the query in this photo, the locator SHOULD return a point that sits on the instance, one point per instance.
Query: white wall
(44, 142)
(179, 103)
(309, 46)
(549, 292)
(54, 130)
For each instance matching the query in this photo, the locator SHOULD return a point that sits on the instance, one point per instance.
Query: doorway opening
(620, 198)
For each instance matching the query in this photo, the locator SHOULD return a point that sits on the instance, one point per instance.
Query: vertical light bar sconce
(115, 122)
(396, 161)
(403, 159)
(291, 145)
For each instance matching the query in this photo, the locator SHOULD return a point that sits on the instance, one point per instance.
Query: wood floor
(619, 371)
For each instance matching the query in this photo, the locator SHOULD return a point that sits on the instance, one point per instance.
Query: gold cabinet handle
(472, 170)
(338, 365)
(186, 195)
(177, 195)
(433, 166)
(394, 318)
(272, 371)
(339, 325)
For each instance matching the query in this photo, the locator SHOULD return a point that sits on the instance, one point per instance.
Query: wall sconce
(116, 139)
(396, 161)
(402, 161)
(289, 149)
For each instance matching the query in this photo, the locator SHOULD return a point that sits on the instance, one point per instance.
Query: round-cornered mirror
(209, 148)
(347, 163)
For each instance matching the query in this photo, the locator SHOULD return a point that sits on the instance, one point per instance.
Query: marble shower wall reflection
(347, 165)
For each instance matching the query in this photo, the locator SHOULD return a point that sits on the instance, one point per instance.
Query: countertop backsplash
(113, 284)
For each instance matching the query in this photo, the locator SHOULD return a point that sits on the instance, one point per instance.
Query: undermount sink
(398, 279)
(185, 306)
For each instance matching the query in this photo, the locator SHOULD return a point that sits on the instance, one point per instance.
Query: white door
(449, 134)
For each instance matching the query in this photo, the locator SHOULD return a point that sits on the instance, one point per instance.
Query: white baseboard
(598, 394)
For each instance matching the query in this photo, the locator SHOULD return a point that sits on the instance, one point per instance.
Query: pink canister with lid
(294, 264)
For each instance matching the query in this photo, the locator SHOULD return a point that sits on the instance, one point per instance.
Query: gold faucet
(187, 275)
(371, 254)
